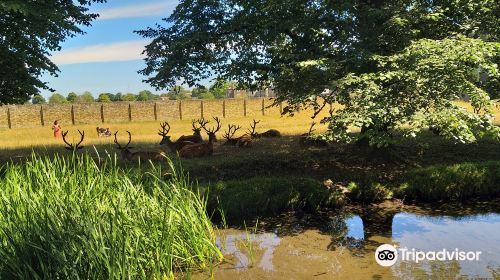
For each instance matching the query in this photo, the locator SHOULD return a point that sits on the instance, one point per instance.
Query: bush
(455, 182)
(71, 219)
(368, 192)
(264, 196)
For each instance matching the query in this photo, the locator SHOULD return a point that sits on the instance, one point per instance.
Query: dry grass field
(20, 141)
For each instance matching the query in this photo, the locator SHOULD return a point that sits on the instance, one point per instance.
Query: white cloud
(142, 10)
(121, 51)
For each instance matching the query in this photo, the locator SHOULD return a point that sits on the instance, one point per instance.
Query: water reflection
(470, 233)
(266, 242)
(342, 244)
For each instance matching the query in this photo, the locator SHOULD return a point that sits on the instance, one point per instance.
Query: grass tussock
(453, 182)
(70, 218)
(264, 196)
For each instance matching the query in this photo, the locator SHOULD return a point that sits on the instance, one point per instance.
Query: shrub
(368, 192)
(455, 182)
(71, 219)
(264, 196)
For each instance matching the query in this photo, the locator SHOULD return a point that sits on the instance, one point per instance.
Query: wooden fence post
(102, 113)
(224, 108)
(129, 112)
(263, 107)
(201, 109)
(72, 115)
(42, 121)
(8, 117)
(245, 107)
(156, 112)
(180, 110)
(281, 108)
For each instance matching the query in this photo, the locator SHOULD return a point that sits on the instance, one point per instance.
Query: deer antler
(210, 131)
(217, 120)
(231, 131)
(165, 129)
(202, 122)
(193, 123)
(129, 140)
(71, 146)
(253, 126)
(116, 141)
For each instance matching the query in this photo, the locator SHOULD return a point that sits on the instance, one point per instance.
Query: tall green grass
(70, 218)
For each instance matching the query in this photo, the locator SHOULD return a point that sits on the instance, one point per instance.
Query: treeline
(216, 91)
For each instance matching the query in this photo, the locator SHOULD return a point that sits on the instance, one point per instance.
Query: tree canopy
(302, 48)
(38, 99)
(104, 97)
(57, 98)
(29, 30)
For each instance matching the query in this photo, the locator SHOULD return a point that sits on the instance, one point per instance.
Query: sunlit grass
(37, 136)
(147, 132)
(73, 218)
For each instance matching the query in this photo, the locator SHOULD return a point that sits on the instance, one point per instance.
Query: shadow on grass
(284, 156)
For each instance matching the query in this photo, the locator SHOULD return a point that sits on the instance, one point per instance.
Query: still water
(342, 245)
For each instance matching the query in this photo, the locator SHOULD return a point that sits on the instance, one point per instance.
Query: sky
(108, 56)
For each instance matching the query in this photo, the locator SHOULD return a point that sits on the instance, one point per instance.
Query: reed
(73, 218)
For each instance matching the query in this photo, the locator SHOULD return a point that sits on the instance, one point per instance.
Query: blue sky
(108, 56)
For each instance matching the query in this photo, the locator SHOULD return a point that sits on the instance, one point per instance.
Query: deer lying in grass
(103, 132)
(174, 146)
(307, 139)
(73, 147)
(196, 137)
(128, 155)
(243, 141)
(202, 149)
(269, 133)
(229, 134)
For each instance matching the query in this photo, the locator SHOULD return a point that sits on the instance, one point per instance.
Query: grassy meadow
(92, 215)
(19, 142)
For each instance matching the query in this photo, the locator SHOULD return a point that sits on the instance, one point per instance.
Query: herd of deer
(190, 146)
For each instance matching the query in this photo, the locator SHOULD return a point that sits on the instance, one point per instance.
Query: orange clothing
(57, 131)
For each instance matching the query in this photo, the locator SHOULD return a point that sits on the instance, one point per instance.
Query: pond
(342, 245)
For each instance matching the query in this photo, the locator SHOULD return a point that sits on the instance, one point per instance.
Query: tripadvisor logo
(387, 255)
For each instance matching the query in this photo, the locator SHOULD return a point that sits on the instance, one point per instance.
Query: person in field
(57, 129)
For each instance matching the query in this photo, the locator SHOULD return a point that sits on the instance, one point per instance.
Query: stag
(229, 134)
(243, 141)
(196, 137)
(306, 139)
(173, 146)
(128, 155)
(103, 132)
(202, 149)
(269, 133)
(71, 146)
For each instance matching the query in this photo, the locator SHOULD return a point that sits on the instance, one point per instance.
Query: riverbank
(279, 175)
